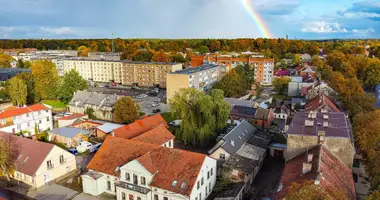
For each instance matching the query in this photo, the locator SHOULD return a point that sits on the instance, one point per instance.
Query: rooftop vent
(309, 123)
(325, 124)
(309, 157)
(232, 143)
(325, 116)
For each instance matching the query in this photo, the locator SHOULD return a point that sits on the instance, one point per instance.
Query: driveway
(83, 160)
(53, 192)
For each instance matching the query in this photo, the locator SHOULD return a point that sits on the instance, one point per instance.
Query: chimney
(325, 116)
(309, 157)
(309, 123)
(321, 137)
(325, 124)
(306, 168)
(113, 134)
(310, 115)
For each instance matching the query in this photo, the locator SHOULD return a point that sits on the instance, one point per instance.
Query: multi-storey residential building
(332, 130)
(38, 163)
(105, 55)
(263, 67)
(201, 78)
(137, 170)
(24, 119)
(145, 74)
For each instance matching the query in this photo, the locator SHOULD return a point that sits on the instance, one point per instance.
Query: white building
(141, 171)
(24, 119)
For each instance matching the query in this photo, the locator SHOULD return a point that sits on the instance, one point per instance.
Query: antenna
(113, 42)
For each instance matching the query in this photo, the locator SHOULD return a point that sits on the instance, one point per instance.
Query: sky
(301, 19)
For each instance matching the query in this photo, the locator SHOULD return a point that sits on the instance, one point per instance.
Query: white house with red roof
(24, 119)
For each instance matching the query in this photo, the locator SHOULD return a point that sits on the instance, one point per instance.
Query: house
(69, 120)
(281, 72)
(70, 136)
(239, 102)
(238, 112)
(138, 170)
(88, 124)
(23, 120)
(232, 191)
(105, 129)
(332, 129)
(263, 117)
(361, 178)
(304, 57)
(277, 150)
(297, 103)
(102, 104)
(295, 87)
(159, 135)
(230, 143)
(244, 165)
(318, 88)
(281, 112)
(306, 69)
(140, 126)
(321, 103)
(38, 163)
(319, 166)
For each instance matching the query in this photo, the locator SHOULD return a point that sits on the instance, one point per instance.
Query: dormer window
(3, 121)
(183, 185)
(127, 176)
(174, 183)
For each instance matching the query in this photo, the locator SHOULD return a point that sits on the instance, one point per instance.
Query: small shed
(277, 150)
(69, 136)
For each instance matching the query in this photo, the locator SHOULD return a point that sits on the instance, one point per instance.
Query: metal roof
(69, 132)
(193, 70)
(108, 127)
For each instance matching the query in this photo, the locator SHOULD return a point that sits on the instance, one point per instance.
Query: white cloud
(363, 31)
(58, 30)
(323, 27)
(360, 15)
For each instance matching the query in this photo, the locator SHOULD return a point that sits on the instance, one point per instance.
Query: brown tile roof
(140, 126)
(319, 101)
(73, 116)
(22, 110)
(166, 163)
(158, 135)
(333, 173)
(30, 155)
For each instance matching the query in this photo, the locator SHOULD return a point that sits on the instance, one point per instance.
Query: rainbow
(257, 19)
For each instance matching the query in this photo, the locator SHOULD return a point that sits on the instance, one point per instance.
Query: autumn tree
(375, 195)
(309, 191)
(17, 91)
(20, 63)
(160, 56)
(142, 55)
(46, 79)
(371, 74)
(337, 60)
(8, 155)
(281, 84)
(5, 60)
(83, 51)
(30, 87)
(72, 82)
(126, 110)
(203, 50)
(177, 58)
(202, 115)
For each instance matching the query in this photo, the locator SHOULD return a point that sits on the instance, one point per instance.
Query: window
(200, 196)
(122, 195)
(138, 198)
(135, 181)
(202, 181)
(174, 183)
(142, 180)
(47, 119)
(206, 190)
(3, 121)
(32, 179)
(155, 197)
(40, 122)
(211, 171)
(198, 185)
(27, 114)
(62, 159)
(222, 156)
(39, 112)
(170, 143)
(49, 164)
(108, 185)
(23, 177)
(209, 187)
(127, 177)
(208, 175)
(166, 198)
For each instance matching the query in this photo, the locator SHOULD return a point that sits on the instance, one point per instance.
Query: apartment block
(146, 74)
(201, 78)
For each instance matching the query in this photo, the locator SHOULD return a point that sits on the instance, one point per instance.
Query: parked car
(97, 146)
(154, 105)
(67, 114)
(114, 84)
(175, 122)
(87, 146)
(73, 151)
(157, 100)
(156, 110)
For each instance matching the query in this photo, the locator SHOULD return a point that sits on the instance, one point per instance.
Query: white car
(88, 146)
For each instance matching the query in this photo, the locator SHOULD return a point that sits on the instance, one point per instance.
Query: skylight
(174, 183)
(183, 186)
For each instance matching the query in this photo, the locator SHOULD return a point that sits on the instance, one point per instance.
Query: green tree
(27, 64)
(337, 60)
(203, 50)
(281, 84)
(371, 75)
(232, 84)
(8, 155)
(177, 58)
(202, 115)
(83, 51)
(5, 60)
(375, 195)
(17, 91)
(72, 82)
(144, 56)
(20, 63)
(126, 110)
(30, 86)
(46, 79)
(90, 113)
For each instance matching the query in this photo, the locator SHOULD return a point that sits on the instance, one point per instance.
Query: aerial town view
(189, 100)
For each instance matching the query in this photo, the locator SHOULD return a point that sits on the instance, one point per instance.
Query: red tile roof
(140, 126)
(30, 153)
(333, 173)
(22, 110)
(319, 101)
(166, 163)
(73, 116)
(158, 135)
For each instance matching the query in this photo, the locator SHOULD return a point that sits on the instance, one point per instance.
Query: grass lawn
(56, 104)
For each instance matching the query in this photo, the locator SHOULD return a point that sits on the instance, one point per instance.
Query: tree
(375, 195)
(142, 55)
(371, 75)
(203, 116)
(90, 113)
(20, 63)
(177, 58)
(281, 84)
(160, 56)
(46, 79)
(203, 50)
(296, 59)
(27, 64)
(83, 51)
(30, 86)
(5, 60)
(72, 82)
(126, 110)
(232, 84)
(17, 91)
(309, 191)
(8, 155)
(336, 60)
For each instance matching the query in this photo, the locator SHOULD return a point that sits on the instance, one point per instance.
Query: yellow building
(146, 74)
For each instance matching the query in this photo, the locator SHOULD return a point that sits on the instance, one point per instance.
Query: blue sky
(304, 19)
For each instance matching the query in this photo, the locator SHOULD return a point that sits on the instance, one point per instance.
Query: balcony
(132, 187)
